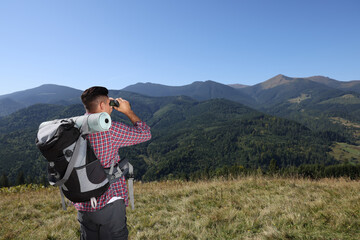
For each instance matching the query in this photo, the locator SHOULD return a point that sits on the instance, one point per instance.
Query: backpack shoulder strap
(73, 159)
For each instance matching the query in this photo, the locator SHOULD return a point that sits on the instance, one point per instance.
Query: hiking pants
(108, 223)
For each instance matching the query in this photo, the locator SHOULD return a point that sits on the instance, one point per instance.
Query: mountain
(48, 93)
(346, 86)
(317, 102)
(198, 90)
(281, 88)
(8, 105)
(314, 101)
(300, 99)
(237, 86)
(188, 136)
(263, 96)
(205, 125)
(281, 79)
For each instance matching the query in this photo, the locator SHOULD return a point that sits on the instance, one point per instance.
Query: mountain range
(203, 125)
(207, 89)
(267, 94)
(320, 98)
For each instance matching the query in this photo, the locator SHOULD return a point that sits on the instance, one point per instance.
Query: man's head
(95, 100)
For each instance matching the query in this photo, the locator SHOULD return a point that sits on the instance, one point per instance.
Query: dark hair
(91, 96)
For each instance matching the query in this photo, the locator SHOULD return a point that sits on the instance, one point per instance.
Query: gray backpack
(72, 163)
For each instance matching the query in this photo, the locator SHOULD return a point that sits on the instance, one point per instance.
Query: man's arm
(125, 135)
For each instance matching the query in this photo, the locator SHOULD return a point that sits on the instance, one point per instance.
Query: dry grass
(248, 208)
(36, 214)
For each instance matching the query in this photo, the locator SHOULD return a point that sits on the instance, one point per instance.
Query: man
(108, 219)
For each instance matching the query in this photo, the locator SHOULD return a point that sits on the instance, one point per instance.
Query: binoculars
(114, 103)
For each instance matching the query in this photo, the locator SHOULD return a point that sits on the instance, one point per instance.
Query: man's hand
(125, 108)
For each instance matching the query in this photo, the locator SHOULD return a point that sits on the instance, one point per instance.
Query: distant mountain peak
(280, 76)
(320, 76)
(238, 86)
(324, 80)
(50, 85)
(279, 79)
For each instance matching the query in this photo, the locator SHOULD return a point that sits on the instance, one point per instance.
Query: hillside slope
(300, 99)
(187, 136)
(313, 101)
(346, 86)
(47, 93)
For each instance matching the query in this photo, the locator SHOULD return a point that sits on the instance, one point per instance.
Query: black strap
(119, 170)
(84, 129)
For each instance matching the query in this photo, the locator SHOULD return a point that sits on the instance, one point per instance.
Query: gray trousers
(108, 223)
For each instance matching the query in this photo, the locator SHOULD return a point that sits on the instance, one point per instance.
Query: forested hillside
(313, 101)
(187, 136)
(212, 140)
(298, 121)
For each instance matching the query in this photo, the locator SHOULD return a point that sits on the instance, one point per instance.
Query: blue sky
(115, 43)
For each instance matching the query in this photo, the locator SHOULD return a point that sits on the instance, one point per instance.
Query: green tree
(4, 181)
(273, 168)
(20, 179)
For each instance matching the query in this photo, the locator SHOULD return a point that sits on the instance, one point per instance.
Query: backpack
(72, 163)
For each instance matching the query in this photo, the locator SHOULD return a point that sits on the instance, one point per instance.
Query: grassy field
(244, 208)
(346, 152)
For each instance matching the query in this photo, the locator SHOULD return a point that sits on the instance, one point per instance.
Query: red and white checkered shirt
(106, 146)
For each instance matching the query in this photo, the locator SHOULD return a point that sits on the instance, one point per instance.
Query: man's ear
(102, 106)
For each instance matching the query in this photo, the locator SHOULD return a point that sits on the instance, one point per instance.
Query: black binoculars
(114, 103)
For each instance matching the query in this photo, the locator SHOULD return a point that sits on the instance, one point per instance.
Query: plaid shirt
(106, 146)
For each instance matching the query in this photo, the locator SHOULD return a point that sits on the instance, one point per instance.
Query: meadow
(253, 207)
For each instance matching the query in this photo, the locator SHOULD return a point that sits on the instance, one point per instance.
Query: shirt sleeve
(124, 135)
